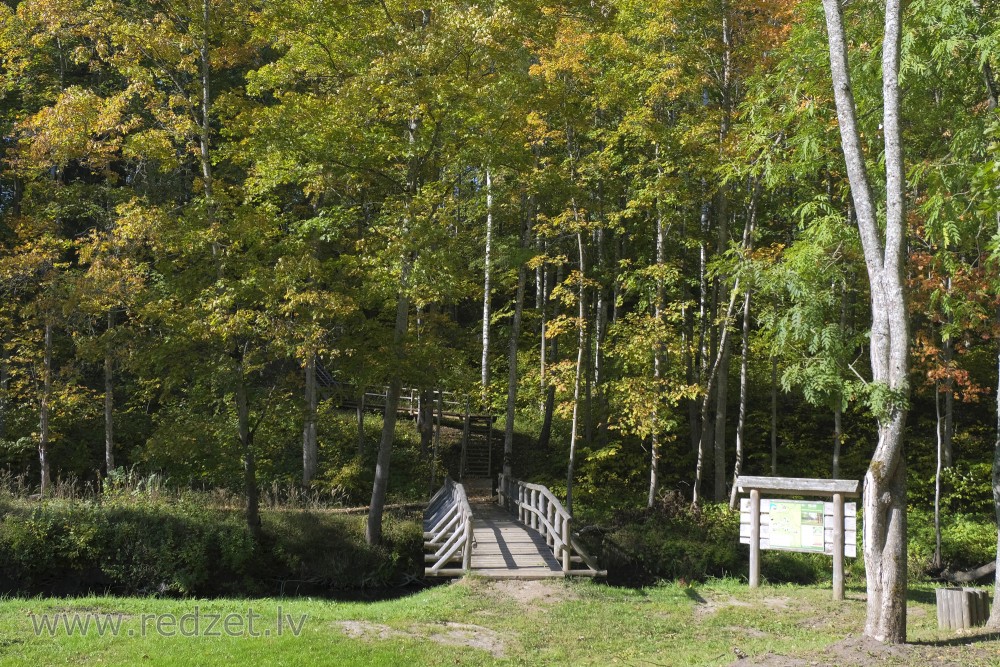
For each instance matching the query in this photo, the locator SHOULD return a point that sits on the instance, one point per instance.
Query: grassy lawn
(504, 623)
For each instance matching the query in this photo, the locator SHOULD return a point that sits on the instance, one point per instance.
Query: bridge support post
(566, 552)
(467, 554)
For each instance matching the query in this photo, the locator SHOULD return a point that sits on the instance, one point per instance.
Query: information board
(796, 525)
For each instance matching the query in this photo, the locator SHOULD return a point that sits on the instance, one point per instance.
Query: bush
(967, 541)
(141, 546)
(674, 541)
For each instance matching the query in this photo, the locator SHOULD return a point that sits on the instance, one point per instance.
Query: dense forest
(625, 229)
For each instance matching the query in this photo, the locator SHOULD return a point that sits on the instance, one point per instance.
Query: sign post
(799, 525)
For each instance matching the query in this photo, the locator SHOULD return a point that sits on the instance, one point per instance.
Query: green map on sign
(796, 525)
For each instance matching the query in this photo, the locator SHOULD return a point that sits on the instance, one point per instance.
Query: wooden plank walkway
(465, 532)
(506, 549)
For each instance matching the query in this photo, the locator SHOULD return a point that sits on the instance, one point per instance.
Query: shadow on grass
(694, 595)
(964, 640)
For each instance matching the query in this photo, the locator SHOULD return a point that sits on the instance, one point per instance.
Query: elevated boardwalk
(531, 540)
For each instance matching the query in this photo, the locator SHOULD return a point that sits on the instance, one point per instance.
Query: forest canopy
(625, 229)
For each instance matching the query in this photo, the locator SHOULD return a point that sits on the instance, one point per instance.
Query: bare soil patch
(862, 652)
(532, 593)
(449, 634)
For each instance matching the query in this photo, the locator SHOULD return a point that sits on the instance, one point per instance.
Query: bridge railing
(537, 507)
(448, 532)
(453, 403)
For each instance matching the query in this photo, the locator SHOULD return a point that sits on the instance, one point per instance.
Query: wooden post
(961, 608)
(467, 556)
(550, 514)
(534, 505)
(520, 503)
(754, 538)
(838, 546)
(466, 427)
(566, 557)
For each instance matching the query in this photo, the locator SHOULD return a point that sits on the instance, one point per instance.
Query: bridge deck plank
(505, 549)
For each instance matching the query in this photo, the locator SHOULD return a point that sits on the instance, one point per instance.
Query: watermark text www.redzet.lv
(196, 623)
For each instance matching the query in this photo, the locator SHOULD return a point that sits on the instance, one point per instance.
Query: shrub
(137, 545)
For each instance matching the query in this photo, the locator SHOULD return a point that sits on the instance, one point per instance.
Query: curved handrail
(448, 528)
(538, 508)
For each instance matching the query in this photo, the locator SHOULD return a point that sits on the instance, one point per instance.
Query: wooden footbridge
(526, 534)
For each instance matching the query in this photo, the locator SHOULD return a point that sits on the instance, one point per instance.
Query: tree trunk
(948, 432)
(542, 343)
(466, 429)
(361, 423)
(774, 416)
(373, 529)
(205, 128)
(4, 386)
(109, 412)
(581, 344)
(658, 347)
(550, 391)
(994, 622)
(309, 436)
(487, 285)
(43, 417)
(515, 335)
(425, 421)
(707, 398)
(838, 437)
(936, 562)
(742, 418)
(721, 408)
(885, 481)
(437, 439)
(246, 445)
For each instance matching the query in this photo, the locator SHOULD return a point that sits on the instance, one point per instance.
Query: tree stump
(962, 608)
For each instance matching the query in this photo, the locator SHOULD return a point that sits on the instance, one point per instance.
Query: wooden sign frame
(837, 489)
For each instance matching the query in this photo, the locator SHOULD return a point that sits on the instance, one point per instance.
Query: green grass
(571, 623)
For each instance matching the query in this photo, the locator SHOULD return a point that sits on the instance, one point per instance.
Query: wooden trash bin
(962, 608)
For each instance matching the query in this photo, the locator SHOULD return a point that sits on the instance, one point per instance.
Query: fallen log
(969, 575)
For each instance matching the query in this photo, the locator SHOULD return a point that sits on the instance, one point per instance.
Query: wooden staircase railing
(448, 536)
(537, 508)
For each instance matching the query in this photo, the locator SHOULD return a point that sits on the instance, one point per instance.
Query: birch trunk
(707, 398)
(838, 437)
(654, 449)
(994, 622)
(936, 562)
(309, 436)
(43, 416)
(581, 344)
(109, 409)
(550, 390)
(487, 284)
(4, 385)
(742, 418)
(721, 408)
(361, 423)
(948, 432)
(885, 481)
(774, 416)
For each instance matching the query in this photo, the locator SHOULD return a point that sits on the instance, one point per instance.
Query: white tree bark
(581, 344)
(45, 407)
(885, 481)
(994, 621)
(309, 436)
(487, 283)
